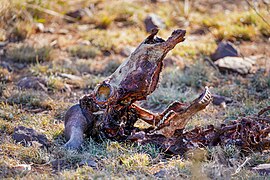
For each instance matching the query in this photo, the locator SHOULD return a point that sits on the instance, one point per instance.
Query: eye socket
(103, 92)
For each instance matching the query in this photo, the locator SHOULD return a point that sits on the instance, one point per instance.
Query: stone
(40, 27)
(220, 100)
(28, 136)
(153, 21)
(225, 49)
(236, 64)
(32, 83)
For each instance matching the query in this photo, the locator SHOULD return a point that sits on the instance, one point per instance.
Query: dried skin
(110, 110)
(110, 107)
(248, 134)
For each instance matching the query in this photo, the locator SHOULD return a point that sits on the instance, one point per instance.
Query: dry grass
(88, 53)
(235, 26)
(27, 54)
(84, 52)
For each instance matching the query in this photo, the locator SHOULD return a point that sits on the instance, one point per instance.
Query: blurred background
(54, 51)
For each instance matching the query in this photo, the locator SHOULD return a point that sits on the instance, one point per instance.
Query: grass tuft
(235, 26)
(20, 31)
(28, 54)
(134, 161)
(84, 51)
(31, 98)
(235, 33)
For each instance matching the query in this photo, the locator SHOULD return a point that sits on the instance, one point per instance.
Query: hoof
(72, 145)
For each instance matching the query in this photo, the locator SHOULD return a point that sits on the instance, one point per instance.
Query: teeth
(206, 97)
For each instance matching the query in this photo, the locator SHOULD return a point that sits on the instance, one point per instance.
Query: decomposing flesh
(110, 110)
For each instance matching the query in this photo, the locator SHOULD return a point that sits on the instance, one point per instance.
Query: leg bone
(75, 127)
(175, 116)
(174, 120)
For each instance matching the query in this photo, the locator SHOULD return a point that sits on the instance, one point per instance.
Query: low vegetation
(74, 53)
(27, 54)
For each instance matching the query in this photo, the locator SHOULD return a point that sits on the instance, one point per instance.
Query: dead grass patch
(28, 54)
(31, 98)
(235, 26)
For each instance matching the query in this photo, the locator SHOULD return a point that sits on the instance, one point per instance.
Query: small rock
(225, 49)
(262, 169)
(40, 27)
(153, 21)
(127, 51)
(88, 162)
(223, 105)
(218, 100)
(32, 83)
(237, 64)
(26, 136)
(161, 173)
